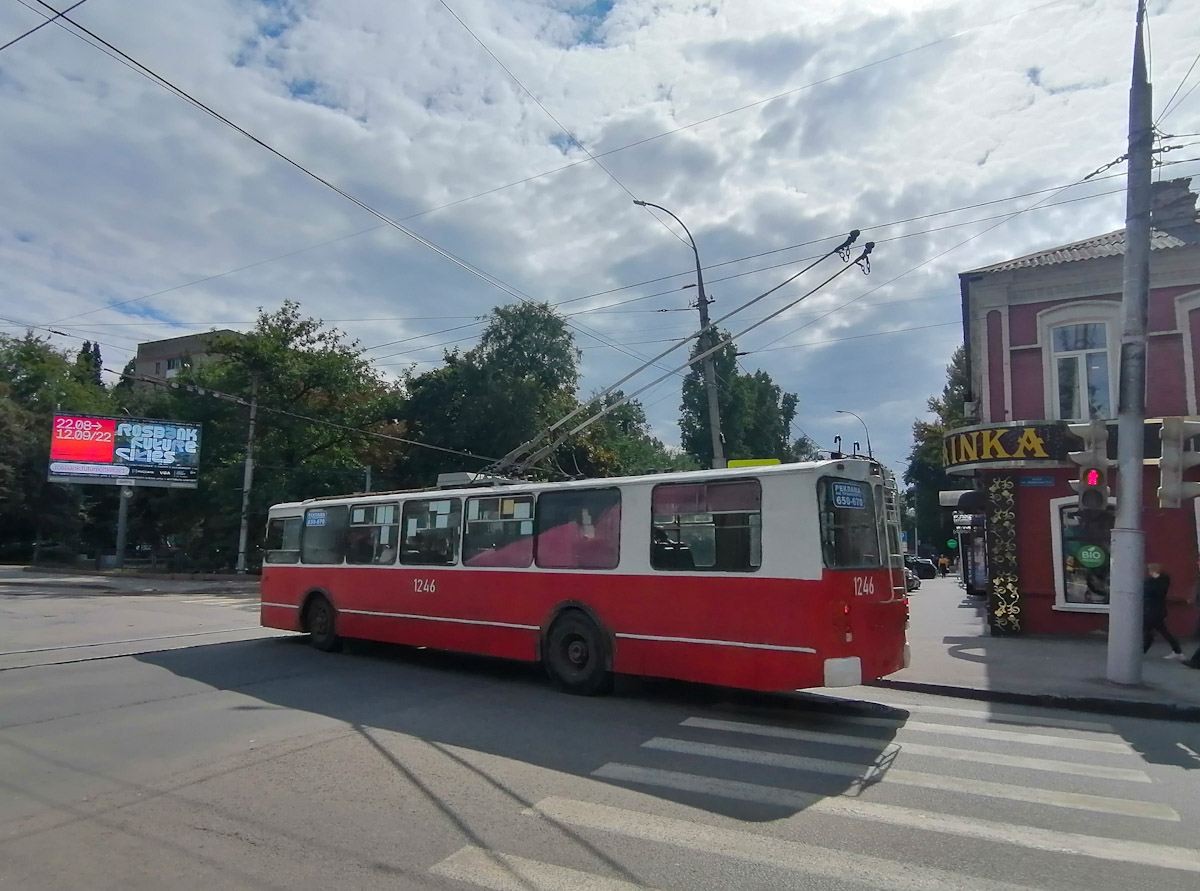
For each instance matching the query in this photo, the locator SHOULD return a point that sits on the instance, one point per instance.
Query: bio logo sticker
(1092, 556)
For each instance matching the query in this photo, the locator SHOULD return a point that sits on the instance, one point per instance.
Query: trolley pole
(247, 478)
(1128, 547)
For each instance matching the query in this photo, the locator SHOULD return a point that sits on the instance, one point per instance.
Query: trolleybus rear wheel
(576, 655)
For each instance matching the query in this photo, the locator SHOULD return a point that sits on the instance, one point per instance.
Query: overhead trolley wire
(527, 179)
(843, 248)
(387, 220)
(575, 139)
(863, 261)
(39, 27)
(240, 400)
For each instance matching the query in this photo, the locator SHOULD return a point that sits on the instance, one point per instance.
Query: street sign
(952, 543)
(1038, 481)
(1091, 556)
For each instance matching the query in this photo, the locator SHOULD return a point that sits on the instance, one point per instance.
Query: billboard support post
(123, 524)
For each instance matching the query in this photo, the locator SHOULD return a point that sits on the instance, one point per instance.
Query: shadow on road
(660, 737)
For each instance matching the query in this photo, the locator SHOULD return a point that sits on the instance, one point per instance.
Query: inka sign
(1013, 445)
(124, 452)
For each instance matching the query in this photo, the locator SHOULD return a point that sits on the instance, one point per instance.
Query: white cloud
(114, 189)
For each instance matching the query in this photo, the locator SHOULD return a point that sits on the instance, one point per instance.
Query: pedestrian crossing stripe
(1114, 849)
(890, 747)
(1033, 739)
(762, 850)
(990, 716)
(872, 774)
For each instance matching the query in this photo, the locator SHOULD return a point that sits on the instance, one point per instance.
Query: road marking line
(508, 872)
(988, 716)
(1120, 850)
(872, 774)
(888, 746)
(1035, 739)
(764, 850)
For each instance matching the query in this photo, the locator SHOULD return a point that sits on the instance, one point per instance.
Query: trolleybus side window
(324, 537)
(713, 526)
(498, 531)
(283, 540)
(579, 529)
(849, 528)
(431, 532)
(372, 537)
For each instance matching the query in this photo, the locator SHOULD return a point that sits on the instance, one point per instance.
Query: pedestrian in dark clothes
(1154, 610)
(1194, 661)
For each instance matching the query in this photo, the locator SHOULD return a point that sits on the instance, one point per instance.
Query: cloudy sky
(771, 127)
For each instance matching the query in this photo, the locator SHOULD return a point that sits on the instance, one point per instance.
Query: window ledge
(1081, 607)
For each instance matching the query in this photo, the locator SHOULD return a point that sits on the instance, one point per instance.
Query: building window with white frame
(1082, 388)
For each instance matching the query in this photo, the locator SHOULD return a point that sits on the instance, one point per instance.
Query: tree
(926, 475)
(319, 402)
(804, 449)
(36, 379)
(756, 413)
(519, 379)
(621, 443)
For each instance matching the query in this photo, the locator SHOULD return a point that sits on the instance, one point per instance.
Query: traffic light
(1175, 460)
(1092, 485)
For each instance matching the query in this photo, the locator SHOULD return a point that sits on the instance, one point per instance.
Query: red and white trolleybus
(768, 578)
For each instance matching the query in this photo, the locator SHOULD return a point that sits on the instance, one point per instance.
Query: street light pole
(706, 342)
(842, 411)
(1128, 546)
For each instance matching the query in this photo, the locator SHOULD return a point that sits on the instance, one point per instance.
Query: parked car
(922, 566)
(911, 580)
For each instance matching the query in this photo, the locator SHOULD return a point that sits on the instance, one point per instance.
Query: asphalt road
(165, 741)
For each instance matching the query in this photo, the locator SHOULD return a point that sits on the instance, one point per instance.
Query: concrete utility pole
(1128, 548)
(125, 496)
(706, 342)
(247, 478)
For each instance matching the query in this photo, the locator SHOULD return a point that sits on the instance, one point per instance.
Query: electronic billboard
(124, 451)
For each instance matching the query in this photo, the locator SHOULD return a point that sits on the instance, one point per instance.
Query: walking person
(943, 565)
(1194, 660)
(1154, 610)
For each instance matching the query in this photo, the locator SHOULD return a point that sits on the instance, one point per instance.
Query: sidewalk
(15, 579)
(953, 655)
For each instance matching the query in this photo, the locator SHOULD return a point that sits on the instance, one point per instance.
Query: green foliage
(324, 416)
(756, 413)
(621, 444)
(486, 401)
(35, 380)
(297, 369)
(926, 475)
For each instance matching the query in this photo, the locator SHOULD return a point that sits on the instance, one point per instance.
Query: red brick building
(1043, 334)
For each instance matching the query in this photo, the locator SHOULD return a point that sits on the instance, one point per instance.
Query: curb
(1131, 708)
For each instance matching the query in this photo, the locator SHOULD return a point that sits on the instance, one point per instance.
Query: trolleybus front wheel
(320, 620)
(576, 656)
